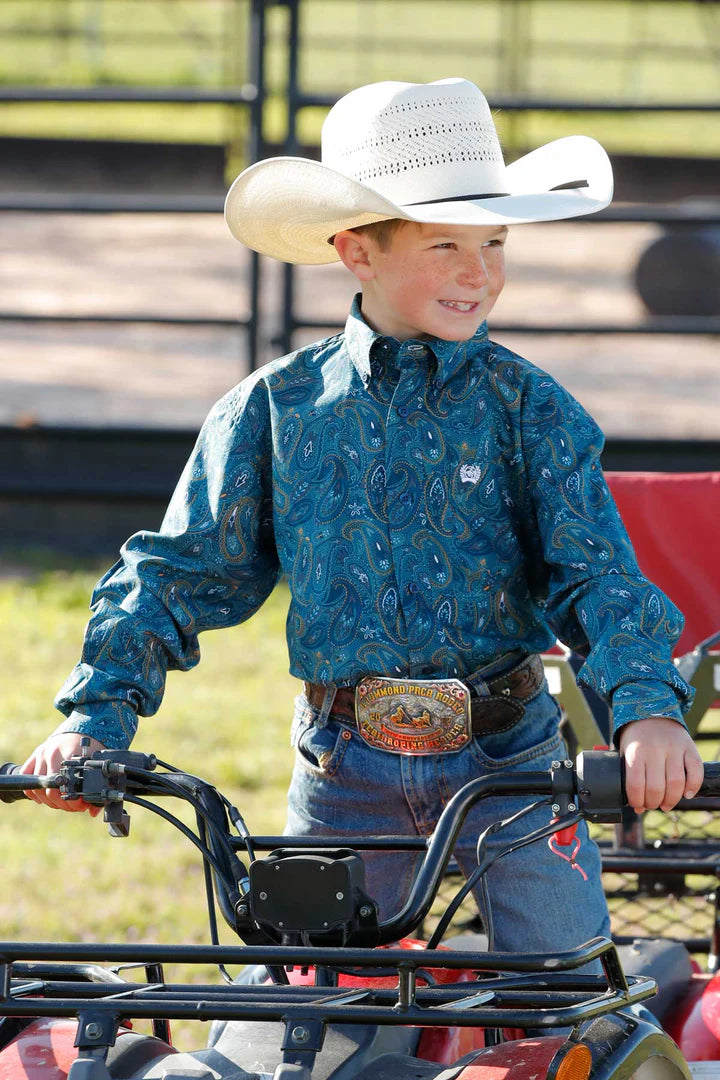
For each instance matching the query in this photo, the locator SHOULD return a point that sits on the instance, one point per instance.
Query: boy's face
(432, 280)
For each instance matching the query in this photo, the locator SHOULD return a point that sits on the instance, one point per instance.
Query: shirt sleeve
(212, 564)
(595, 598)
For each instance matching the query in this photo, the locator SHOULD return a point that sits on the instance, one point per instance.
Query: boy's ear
(354, 250)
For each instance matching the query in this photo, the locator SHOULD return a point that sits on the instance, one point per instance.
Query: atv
(330, 992)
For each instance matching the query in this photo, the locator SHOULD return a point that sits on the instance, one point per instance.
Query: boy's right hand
(47, 759)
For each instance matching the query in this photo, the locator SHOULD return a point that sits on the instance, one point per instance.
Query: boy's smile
(430, 280)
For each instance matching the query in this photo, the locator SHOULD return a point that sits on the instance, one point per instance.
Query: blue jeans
(343, 787)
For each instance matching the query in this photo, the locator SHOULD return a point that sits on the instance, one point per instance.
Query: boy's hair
(381, 232)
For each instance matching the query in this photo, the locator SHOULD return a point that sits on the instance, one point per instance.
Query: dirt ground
(641, 386)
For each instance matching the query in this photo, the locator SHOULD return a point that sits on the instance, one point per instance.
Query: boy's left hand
(662, 764)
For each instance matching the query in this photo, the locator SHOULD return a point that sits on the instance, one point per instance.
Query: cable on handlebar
(210, 899)
(164, 782)
(240, 827)
(167, 766)
(205, 851)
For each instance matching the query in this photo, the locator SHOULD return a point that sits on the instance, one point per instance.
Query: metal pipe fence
(250, 96)
(253, 97)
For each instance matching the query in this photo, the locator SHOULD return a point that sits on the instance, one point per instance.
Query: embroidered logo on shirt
(470, 474)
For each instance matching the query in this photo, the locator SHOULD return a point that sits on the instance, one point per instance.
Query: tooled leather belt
(497, 711)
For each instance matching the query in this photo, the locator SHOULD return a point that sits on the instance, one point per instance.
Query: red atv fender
(524, 1058)
(645, 1053)
(45, 1049)
(695, 1025)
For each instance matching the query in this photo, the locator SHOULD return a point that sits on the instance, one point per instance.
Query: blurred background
(126, 308)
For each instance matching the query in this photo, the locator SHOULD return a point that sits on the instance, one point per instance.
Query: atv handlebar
(591, 788)
(598, 781)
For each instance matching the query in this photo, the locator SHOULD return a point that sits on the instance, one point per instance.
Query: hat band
(459, 198)
(570, 184)
(493, 194)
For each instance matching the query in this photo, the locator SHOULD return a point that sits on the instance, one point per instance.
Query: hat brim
(290, 207)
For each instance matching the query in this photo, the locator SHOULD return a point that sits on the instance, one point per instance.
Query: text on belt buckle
(413, 716)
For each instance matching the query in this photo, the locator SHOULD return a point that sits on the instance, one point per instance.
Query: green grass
(614, 50)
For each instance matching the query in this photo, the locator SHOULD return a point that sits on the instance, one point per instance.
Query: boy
(436, 503)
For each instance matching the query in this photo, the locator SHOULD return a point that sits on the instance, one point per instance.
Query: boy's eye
(499, 241)
(445, 244)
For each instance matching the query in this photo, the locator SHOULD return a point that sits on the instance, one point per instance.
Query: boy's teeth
(458, 304)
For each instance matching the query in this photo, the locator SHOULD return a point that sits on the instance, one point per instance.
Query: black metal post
(291, 147)
(255, 151)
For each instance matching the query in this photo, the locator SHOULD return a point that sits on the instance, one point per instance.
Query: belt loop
(477, 684)
(506, 660)
(327, 704)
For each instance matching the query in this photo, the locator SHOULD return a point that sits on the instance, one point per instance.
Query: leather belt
(496, 712)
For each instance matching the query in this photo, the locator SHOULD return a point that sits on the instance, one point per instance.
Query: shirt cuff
(112, 724)
(643, 699)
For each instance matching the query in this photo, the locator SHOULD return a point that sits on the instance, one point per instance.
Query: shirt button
(412, 587)
(403, 410)
(405, 497)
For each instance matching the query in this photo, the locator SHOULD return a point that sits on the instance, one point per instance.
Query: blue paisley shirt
(431, 503)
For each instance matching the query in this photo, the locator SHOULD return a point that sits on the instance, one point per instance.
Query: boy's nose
(474, 272)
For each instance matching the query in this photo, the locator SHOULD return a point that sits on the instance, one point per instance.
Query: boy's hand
(662, 764)
(47, 759)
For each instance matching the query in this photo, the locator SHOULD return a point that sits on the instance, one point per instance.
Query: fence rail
(663, 324)
(515, 103)
(142, 95)
(708, 213)
(253, 96)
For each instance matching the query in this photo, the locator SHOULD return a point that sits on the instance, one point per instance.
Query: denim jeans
(343, 787)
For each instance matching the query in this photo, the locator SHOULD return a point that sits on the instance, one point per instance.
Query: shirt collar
(363, 343)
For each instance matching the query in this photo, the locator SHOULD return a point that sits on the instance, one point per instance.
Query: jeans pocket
(551, 748)
(535, 736)
(320, 751)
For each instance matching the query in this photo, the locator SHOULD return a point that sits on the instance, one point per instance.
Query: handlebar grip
(710, 786)
(10, 789)
(9, 795)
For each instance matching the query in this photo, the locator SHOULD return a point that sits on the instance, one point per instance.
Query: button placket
(402, 450)
(412, 360)
(399, 444)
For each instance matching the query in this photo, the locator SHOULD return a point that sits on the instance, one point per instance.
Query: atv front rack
(525, 991)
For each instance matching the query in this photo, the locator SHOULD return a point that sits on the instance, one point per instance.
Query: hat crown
(415, 142)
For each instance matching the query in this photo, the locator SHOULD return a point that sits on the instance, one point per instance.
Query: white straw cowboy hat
(424, 152)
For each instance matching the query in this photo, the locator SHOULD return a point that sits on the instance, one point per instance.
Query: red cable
(566, 838)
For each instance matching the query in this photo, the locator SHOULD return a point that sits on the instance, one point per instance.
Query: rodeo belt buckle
(413, 716)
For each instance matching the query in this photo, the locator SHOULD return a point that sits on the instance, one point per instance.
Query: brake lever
(101, 780)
